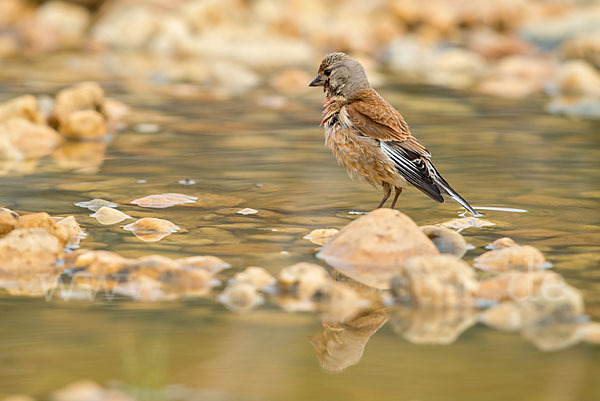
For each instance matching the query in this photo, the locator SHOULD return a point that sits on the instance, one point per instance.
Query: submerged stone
(107, 215)
(96, 204)
(372, 248)
(161, 201)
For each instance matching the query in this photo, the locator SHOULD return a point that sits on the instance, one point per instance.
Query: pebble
(320, 236)
(96, 204)
(107, 215)
(151, 229)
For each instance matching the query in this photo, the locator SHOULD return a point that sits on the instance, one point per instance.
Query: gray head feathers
(343, 76)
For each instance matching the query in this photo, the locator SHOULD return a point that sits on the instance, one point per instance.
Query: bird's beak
(318, 81)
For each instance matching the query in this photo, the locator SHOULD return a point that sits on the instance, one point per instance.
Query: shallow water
(248, 154)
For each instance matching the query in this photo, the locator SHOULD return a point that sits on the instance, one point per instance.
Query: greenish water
(496, 154)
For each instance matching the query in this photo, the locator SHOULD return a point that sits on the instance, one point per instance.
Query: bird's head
(340, 75)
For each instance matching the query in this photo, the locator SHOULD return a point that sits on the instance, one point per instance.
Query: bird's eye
(327, 72)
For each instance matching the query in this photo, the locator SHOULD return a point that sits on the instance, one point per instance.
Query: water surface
(496, 154)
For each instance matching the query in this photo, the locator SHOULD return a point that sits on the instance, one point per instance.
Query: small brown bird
(370, 138)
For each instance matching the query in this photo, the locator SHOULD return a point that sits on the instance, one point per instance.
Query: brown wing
(372, 116)
(376, 118)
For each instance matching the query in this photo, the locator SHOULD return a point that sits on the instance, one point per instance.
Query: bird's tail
(447, 189)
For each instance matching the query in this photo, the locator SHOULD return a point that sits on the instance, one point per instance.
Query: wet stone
(523, 258)
(446, 241)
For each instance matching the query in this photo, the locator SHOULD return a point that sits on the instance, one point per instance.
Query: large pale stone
(373, 248)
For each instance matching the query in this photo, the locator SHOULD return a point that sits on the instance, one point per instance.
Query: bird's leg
(398, 192)
(388, 191)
